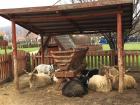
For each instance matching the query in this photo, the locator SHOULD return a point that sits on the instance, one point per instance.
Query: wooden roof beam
(75, 30)
(85, 29)
(31, 28)
(76, 25)
(83, 26)
(61, 18)
(72, 22)
(28, 27)
(49, 24)
(77, 33)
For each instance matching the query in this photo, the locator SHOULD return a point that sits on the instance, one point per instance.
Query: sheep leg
(31, 85)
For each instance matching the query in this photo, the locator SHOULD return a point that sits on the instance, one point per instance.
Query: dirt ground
(50, 96)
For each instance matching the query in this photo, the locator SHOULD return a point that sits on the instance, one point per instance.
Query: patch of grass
(2, 51)
(30, 49)
(132, 46)
(127, 46)
(106, 47)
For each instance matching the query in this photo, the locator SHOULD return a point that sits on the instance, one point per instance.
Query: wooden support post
(45, 43)
(14, 46)
(42, 50)
(120, 52)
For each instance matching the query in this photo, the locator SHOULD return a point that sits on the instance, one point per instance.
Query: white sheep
(113, 71)
(129, 82)
(44, 68)
(39, 80)
(100, 83)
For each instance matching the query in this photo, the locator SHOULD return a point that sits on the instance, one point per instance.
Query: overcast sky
(4, 4)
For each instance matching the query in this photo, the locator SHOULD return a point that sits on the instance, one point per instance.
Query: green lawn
(24, 49)
(127, 46)
(30, 49)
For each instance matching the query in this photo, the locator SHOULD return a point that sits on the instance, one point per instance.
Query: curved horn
(33, 70)
(87, 73)
(25, 71)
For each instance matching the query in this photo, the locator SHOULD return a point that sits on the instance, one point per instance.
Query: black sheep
(76, 87)
(90, 72)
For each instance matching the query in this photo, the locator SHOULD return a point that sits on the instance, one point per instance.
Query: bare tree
(136, 17)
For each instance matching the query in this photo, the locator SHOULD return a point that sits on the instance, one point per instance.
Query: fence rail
(97, 59)
(36, 60)
(132, 59)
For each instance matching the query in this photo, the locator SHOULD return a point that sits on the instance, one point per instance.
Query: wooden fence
(36, 60)
(97, 59)
(23, 62)
(6, 65)
(93, 59)
(5, 68)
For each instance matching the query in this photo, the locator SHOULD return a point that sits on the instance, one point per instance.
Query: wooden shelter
(86, 18)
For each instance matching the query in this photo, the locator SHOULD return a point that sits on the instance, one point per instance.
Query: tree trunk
(113, 46)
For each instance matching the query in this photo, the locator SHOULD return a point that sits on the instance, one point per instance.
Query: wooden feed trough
(70, 62)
